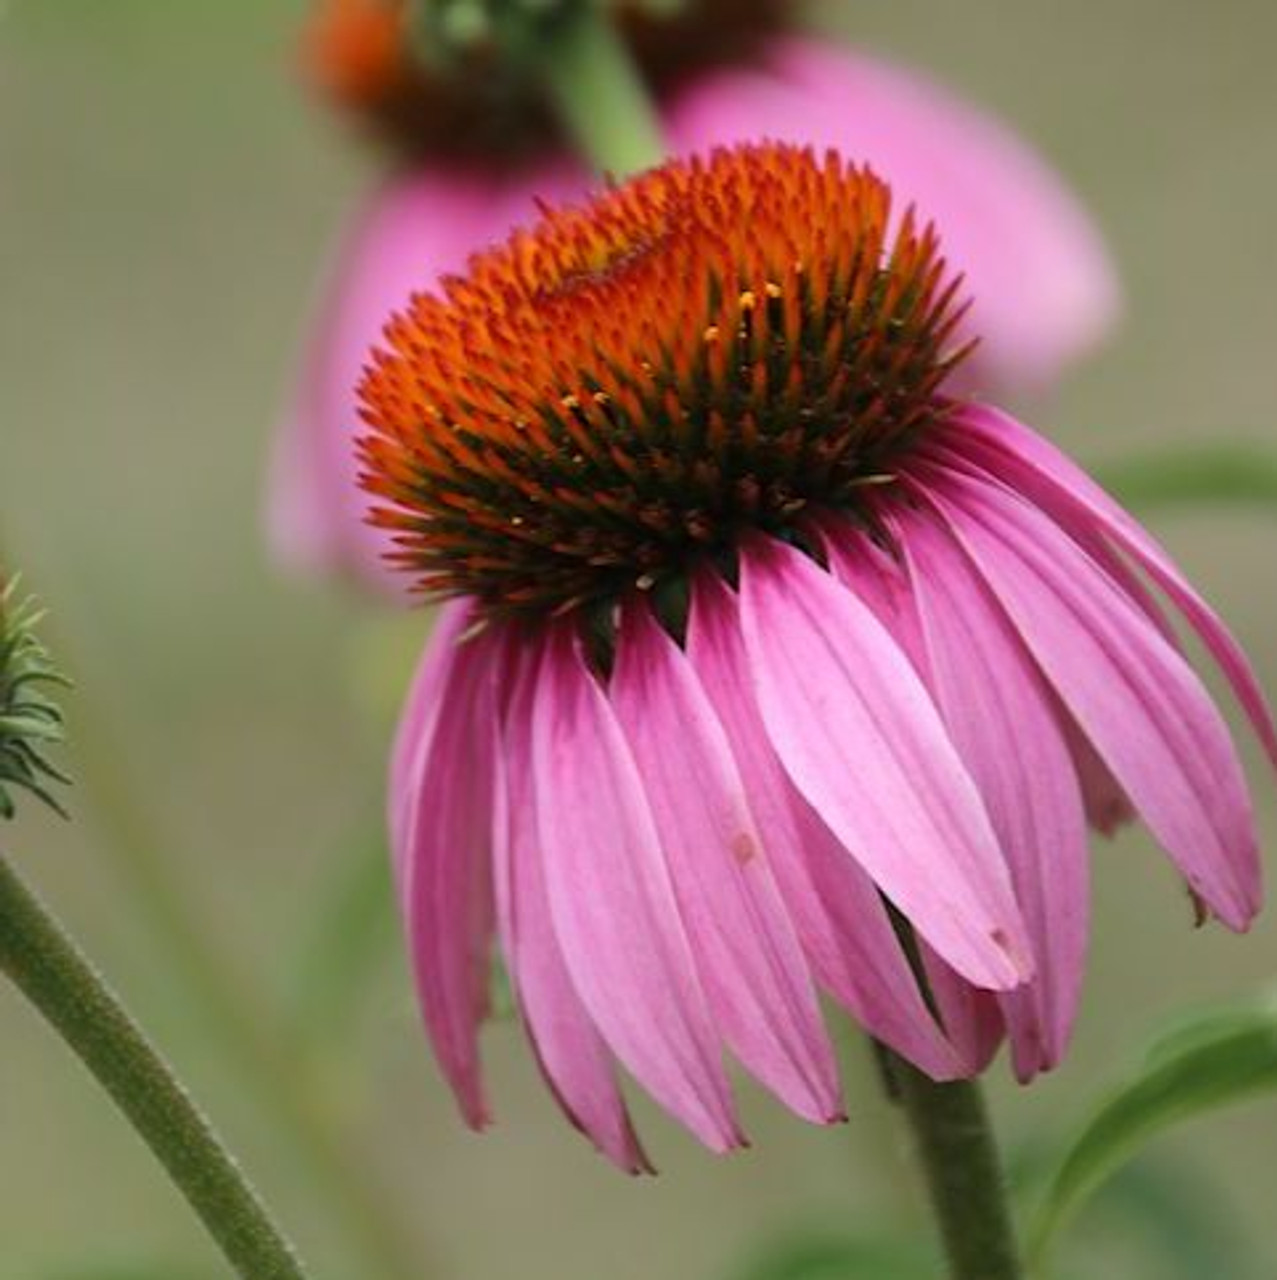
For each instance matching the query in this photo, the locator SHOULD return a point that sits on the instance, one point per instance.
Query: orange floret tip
(712, 348)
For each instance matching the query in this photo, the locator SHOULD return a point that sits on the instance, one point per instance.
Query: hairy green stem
(248, 1033)
(956, 1146)
(599, 93)
(46, 966)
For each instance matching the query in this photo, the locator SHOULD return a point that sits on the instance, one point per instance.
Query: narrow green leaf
(1229, 474)
(354, 933)
(1158, 1215)
(126, 1271)
(819, 1254)
(1205, 1025)
(1180, 1219)
(1224, 1060)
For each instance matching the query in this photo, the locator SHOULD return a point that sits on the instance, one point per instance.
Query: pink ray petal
(1000, 717)
(442, 847)
(1092, 541)
(1034, 467)
(878, 581)
(839, 914)
(1108, 807)
(970, 1016)
(1135, 697)
(614, 909)
(421, 712)
(572, 1055)
(756, 978)
(863, 742)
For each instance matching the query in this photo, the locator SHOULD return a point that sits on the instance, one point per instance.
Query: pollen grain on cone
(714, 348)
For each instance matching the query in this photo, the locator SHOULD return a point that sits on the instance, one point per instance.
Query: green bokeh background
(167, 194)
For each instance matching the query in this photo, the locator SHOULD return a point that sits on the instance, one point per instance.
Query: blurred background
(168, 192)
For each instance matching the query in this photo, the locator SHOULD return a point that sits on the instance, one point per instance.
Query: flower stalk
(574, 50)
(240, 1023)
(959, 1155)
(49, 970)
(284, 1082)
(599, 93)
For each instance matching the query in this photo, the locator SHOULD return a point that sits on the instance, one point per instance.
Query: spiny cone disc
(714, 347)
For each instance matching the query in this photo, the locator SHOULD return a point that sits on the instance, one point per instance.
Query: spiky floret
(714, 347)
(30, 722)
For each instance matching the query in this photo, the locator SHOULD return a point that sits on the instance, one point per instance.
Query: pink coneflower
(762, 654)
(476, 160)
(474, 148)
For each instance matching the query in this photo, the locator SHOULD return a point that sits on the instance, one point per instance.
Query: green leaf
(1181, 1220)
(1156, 1216)
(833, 1255)
(1223, 475)
(122, 1270)
(1223, 1059)
(354, 932)
(1201, 1026)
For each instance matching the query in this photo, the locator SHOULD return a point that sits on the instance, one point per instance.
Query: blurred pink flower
(759, 630)
(1042, 286)
(418, 227)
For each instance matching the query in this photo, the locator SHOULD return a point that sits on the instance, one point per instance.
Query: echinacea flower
(1044, 290)
(475, 148)
(768, 667)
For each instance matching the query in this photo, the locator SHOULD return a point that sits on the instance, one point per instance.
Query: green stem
(964, 1174)
(598, 92)
(287, 1087)
(59, 982)
(286, 1084)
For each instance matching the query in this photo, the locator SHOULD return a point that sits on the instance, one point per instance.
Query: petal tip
(476, 1114)
(1017, 966)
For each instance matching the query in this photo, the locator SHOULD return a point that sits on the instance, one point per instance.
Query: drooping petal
(1135, 697)
(1035, 467)
(572, 1054)
(970, 1016)
(420, 719)
(1092, 541)
(441, 834)
(867, 571)
(614, 909)
(839, 914)
(862, 740)
(1043, 286)
(756, 978)
(999, 715)
(1108, 807)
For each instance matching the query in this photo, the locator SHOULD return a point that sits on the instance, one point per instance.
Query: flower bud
(30, 721)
